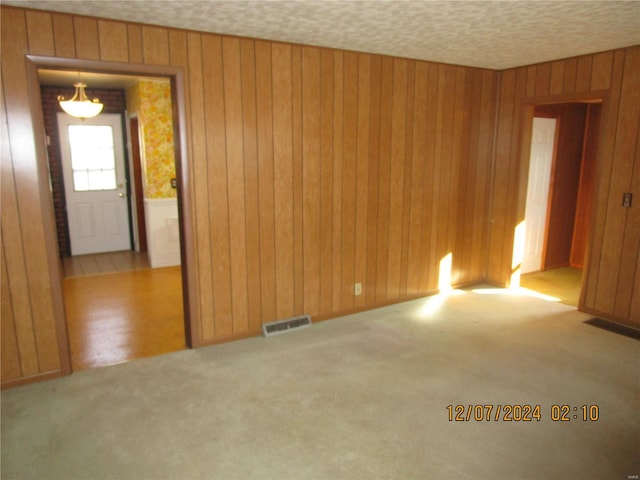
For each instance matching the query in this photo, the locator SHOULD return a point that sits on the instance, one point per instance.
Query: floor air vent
(284, 326)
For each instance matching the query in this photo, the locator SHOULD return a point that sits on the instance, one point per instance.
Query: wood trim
(31, 379)
(50, 232)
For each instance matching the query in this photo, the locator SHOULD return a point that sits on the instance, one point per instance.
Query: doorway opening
(114, 316)
(560, 189)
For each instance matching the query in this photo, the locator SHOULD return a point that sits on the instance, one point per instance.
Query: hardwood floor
(563, 283)
(109, 262)
(117, 317)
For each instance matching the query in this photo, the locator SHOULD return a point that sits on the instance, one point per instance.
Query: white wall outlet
(357, 289)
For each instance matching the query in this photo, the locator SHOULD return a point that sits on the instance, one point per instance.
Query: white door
(95, 183)
(542, 149)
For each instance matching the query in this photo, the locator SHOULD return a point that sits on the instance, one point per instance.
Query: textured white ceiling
(491, 34)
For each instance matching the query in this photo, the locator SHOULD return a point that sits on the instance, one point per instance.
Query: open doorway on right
(559, 198)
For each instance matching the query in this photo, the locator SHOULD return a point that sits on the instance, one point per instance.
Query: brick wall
(114, 102)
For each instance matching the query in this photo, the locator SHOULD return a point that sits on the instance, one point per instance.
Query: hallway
(117, 317)
(563, 283)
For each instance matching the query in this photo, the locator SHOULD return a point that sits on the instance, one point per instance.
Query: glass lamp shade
(80, 106)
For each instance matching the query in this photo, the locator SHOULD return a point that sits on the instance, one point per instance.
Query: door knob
(121, 195)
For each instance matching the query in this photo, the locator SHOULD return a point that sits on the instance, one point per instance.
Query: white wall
(163, 232)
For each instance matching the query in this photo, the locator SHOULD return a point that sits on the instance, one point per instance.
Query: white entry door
(542, 149)
(95, 183)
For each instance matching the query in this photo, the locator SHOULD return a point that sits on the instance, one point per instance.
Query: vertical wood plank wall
(612, 284)
(310, 170)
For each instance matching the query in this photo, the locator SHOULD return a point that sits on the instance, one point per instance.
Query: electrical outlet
(357, 289)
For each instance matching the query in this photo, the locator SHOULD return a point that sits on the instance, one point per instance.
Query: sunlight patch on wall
(444, 273)
(518, 254)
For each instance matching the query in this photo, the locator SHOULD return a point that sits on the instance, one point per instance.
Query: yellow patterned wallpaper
(153, 102)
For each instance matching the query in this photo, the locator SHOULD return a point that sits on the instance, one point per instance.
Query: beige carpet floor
(360, 397)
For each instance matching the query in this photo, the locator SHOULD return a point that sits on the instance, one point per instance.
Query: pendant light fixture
(80, 106)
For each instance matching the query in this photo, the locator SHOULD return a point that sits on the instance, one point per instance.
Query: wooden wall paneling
(326, 179)
(10, 360)
(370, 284)
(15, 283)
(483, 172)
(601, 70)
(338, 101)
(608, 127)
(264, 110)
(56, 359)
(40, 32)
(428, 274)
(198, 149)
(396, 177)
(283, 178)
(113, 41)
(417, 181)
(362, 175)
(27, 191)
(134, 41)
(543, 79)
(470, 86)
(444, 236)
(556, 80)
(252, 205)
(516, 177)
(570, 66)
(179, 56)
(441, 179)
(349, 152)
(453, 131)
(407, 173)
(436, 230)
(86, 36)
(532, 78)
(465, 186)
(236, 206)
(502, 159)
(155, 45)
(296, 116)
(634, 220)
(63, 35)
(625, 165)
(217, 183)
(583, 73)
(383, 239)
(311, 178)
(460, 158)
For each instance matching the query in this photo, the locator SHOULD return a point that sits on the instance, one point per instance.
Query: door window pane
(92, 157)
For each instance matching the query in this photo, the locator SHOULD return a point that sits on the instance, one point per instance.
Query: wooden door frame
(136, 182)
(527, 112)
(185, 208)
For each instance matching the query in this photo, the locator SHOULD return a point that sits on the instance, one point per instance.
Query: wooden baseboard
(31, 379)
